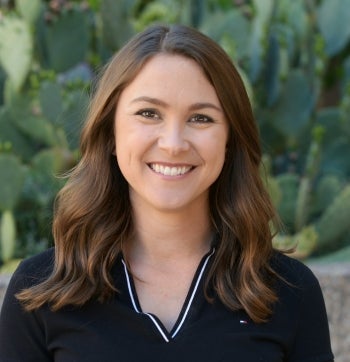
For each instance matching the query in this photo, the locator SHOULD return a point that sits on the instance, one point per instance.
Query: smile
(170, 171)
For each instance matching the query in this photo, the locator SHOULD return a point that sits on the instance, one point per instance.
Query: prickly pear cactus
(303, 242)
(16, 50)
(333, 21)
(29, 10)
(335, 221)
(7, 235)
(328, 187)
(289, 186)
(50, 96)
(269, 181)
(116, 24)
(66, 39)
(11, 181)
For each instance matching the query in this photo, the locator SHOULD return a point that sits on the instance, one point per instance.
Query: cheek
(122, 134)
(217, 153)
(218, 144)
(121, 145)
(132, 141)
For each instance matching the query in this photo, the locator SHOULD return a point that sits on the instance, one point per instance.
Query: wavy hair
(92, 216)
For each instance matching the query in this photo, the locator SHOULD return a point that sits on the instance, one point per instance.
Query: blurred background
(294, 57)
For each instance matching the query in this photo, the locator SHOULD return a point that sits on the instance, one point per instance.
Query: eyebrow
(193, 107)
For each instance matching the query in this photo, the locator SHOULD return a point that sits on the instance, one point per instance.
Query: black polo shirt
(119, 331)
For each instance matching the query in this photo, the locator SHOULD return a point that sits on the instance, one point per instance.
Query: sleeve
(22, 338)
(312, 339)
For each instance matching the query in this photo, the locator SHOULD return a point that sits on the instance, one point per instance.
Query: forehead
(172, 75)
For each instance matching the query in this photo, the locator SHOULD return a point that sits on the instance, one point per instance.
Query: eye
(200, 118)
(148, 113)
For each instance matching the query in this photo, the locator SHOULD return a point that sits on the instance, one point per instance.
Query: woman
(163, 249)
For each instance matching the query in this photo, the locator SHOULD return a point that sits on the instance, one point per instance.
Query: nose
(173, 139)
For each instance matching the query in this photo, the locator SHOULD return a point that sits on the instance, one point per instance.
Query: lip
(170, 169)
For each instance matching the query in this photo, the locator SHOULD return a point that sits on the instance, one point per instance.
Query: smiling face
(170, 135)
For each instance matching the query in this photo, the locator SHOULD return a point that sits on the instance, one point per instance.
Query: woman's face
(170, 135)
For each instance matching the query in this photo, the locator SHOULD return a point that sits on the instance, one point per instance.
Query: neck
(161, 236)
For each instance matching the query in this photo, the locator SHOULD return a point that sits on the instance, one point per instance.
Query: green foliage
(66, 40)
(11, 181)
(29, 10)
(333, 21)
(292, 112)
(15, 60)
(334, 222)
(116, 22)
(293, 57)
(288, 185)
(229, 26)
(303, 241)
(341, 255)
(155, 12)
(50, 98)
(7, 235)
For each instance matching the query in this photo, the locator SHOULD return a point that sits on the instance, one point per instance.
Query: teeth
(170, 171)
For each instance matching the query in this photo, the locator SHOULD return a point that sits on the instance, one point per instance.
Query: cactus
(303, 206)
(233, 24)
(65, 39)
(7, 235)
(71, 119)
(304, 242)
(197, 10)
(39, 130)
(51, 102)
(263, 10)
(336, 145)
(327, 188)
(282, 50)
(29, 10)
(288, 184)
(11, 181)
(12, 136)
(116, 22)
(272, 79)
(341, 255)
(293, 14)
(16, 50)
(271, 184)
(166, 11)
(333, 21)
(51, 162)
(334, 222)
(336, 157)
(293, 110)
(319, 236)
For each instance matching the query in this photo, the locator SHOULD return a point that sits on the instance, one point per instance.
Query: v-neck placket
(168, 336)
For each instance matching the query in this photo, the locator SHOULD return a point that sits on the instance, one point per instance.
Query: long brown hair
(93, 213)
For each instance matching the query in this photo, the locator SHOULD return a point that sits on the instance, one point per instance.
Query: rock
(334, 279)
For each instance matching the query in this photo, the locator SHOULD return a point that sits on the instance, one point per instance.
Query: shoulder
(300, 297)
(291, 269)
(34, 270)
(301, 307)
(293, 273)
